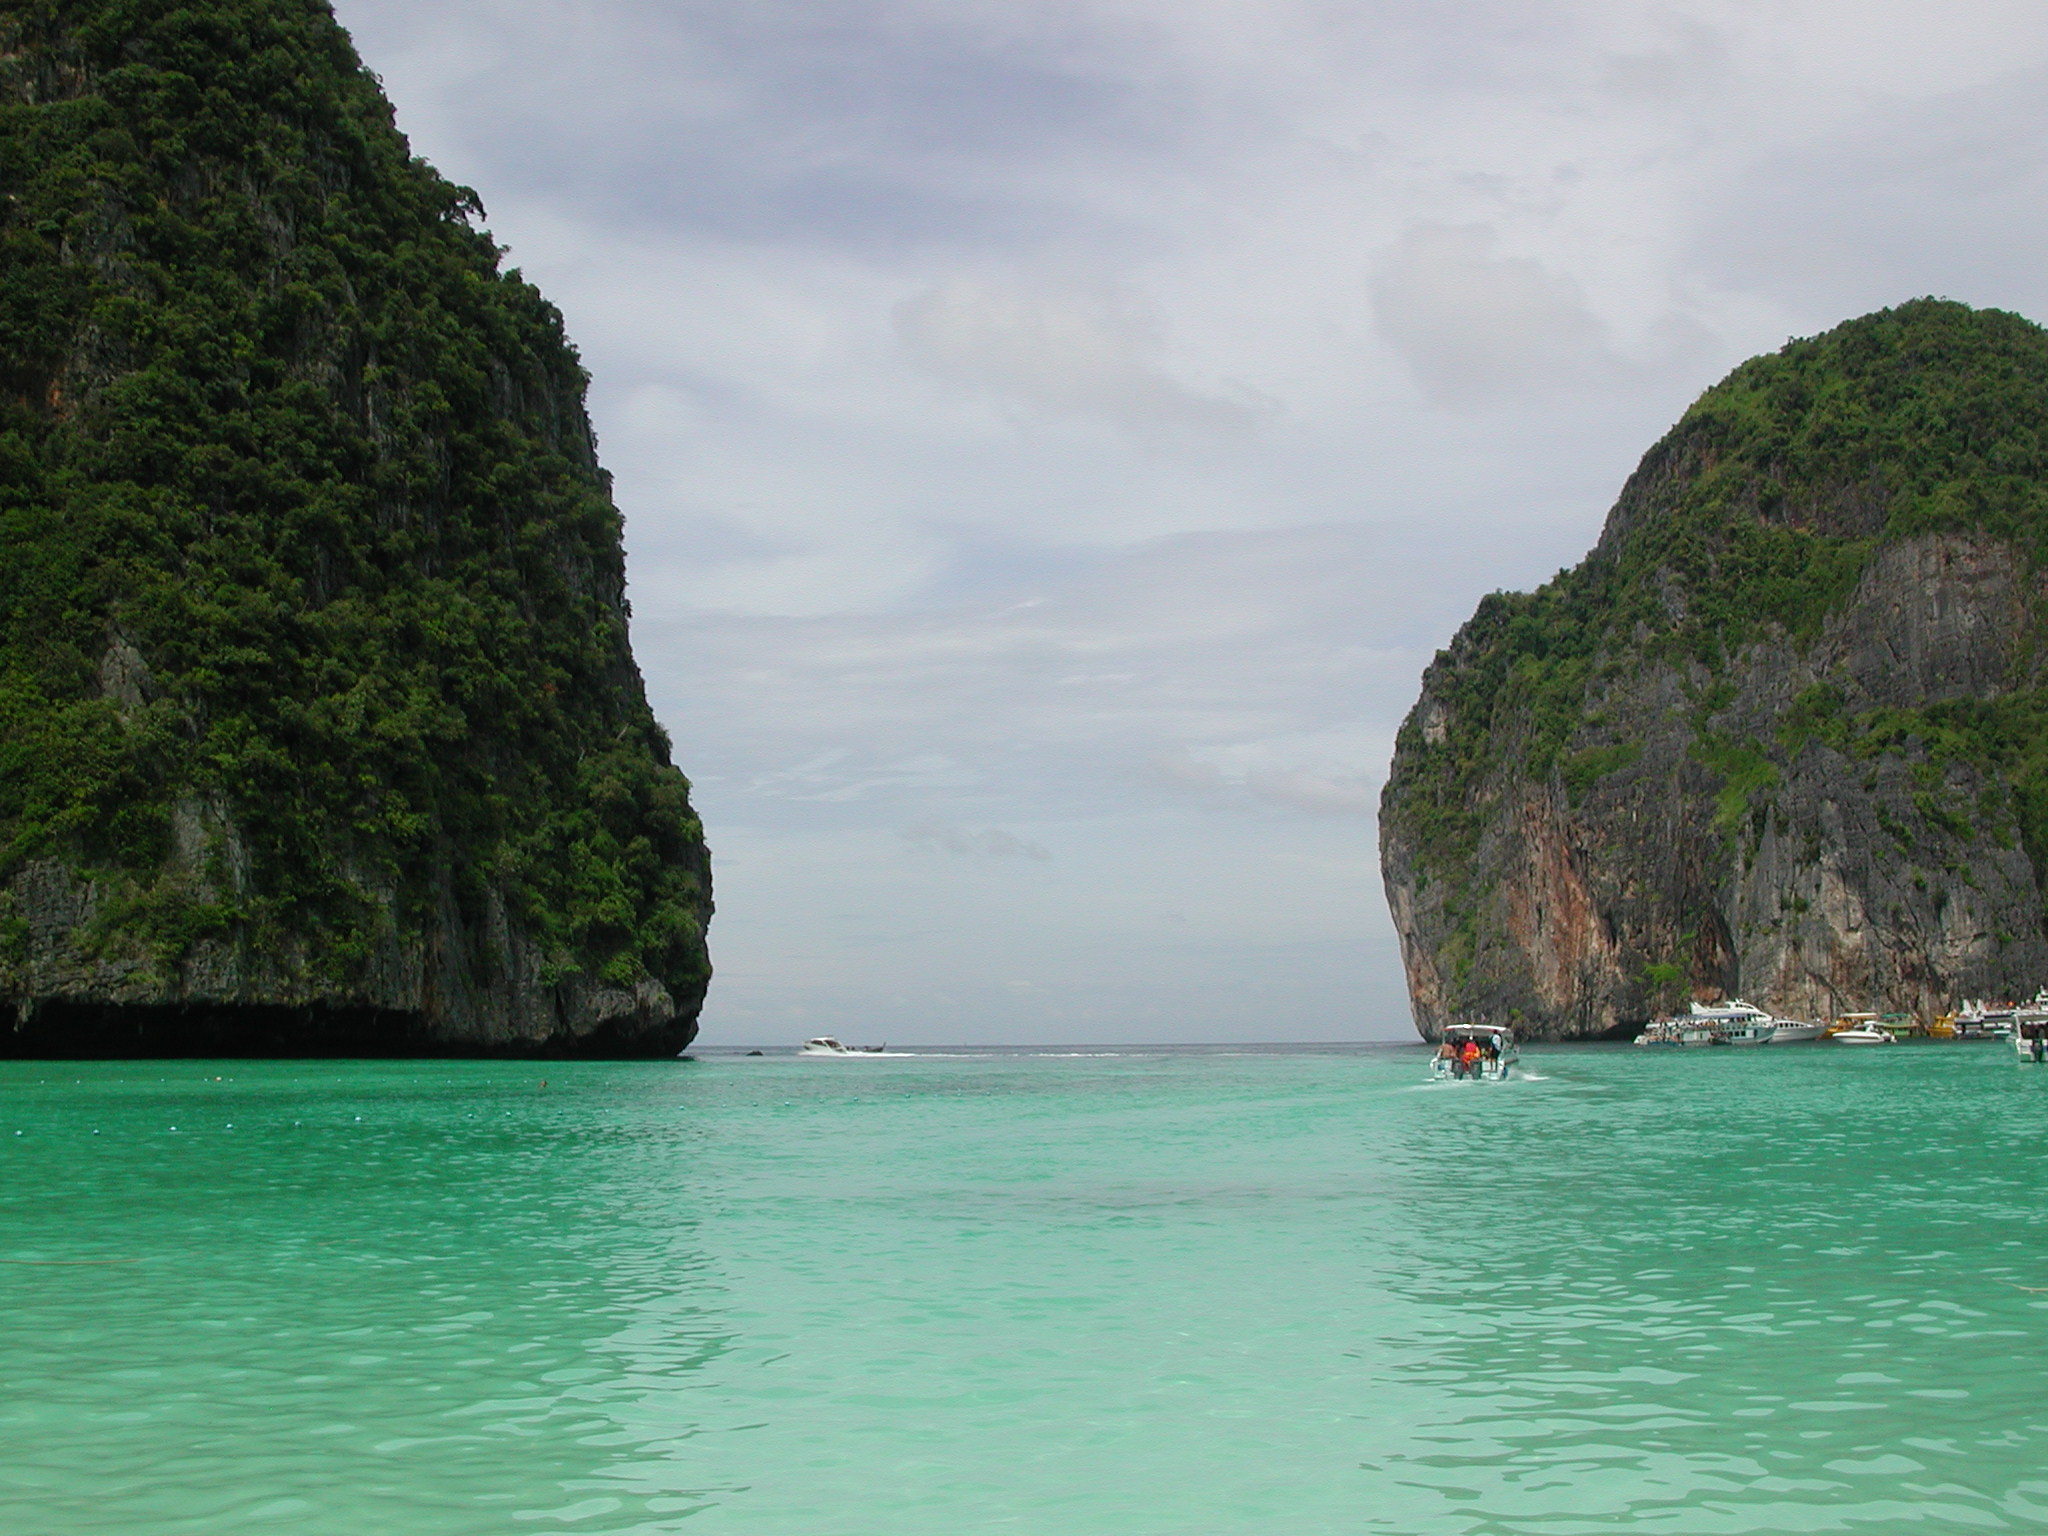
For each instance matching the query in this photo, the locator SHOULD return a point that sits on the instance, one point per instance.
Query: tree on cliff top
(303, 528)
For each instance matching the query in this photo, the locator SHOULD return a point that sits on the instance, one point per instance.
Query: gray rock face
(1830, 814)
(1830, 888)
(459, 989)
(457, 984)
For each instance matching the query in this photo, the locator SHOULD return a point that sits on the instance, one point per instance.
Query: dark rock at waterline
(319, 727)
(1783, 734)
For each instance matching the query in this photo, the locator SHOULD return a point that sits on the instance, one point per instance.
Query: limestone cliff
(1783, 734)
(319, 728)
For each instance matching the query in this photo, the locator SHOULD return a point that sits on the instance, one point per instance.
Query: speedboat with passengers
(2030, 1029)
(1491, 1060)
(2030, 1039)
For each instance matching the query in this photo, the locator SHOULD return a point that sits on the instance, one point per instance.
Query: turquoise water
(1801, 1289)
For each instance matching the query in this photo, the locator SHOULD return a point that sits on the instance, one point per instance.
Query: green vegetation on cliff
(302, 526)
(1756, 517)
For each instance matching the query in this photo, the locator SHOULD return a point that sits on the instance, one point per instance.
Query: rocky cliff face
(319, 727)
(1781, 735)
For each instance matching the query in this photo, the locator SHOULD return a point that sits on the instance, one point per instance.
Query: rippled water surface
(1797, 1289)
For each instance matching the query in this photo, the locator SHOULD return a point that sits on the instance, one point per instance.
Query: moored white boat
(825, 1045)
(1864, 1032)
(1987, 1025)
(1979, 1020)
(1734, 1022)
(1497, 1053)
(1793, 1031)
(1670, 1033)
(1731, 1022)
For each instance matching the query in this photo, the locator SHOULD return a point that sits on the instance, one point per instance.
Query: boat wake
(1440, 1084)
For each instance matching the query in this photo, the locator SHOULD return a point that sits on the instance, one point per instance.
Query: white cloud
(1073, 353)
(1347, 794)
(1821, 223)
(1695, 60)
(1333, 771)
(988, 842)
(1480, 328)
(1005, 399)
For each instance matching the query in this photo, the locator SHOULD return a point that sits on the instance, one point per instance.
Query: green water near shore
(1800, 1289)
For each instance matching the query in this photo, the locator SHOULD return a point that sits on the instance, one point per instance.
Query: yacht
(1676, 1032)
(1497, 1052)
(1861, 1029)
(825, 1045)
(1738, 1023)
(1734, 1022)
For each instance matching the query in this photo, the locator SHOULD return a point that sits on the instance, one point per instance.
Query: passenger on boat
(1470, 1057)
(2039, 1046)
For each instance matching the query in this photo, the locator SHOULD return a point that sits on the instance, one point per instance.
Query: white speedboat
(825, 1045)
(1792, 1031)
(2030, 1028)
(1866, 1032)
(1496, 1058)
(2032, 1015)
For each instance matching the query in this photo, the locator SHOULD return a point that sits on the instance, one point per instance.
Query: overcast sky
(1054, 434)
